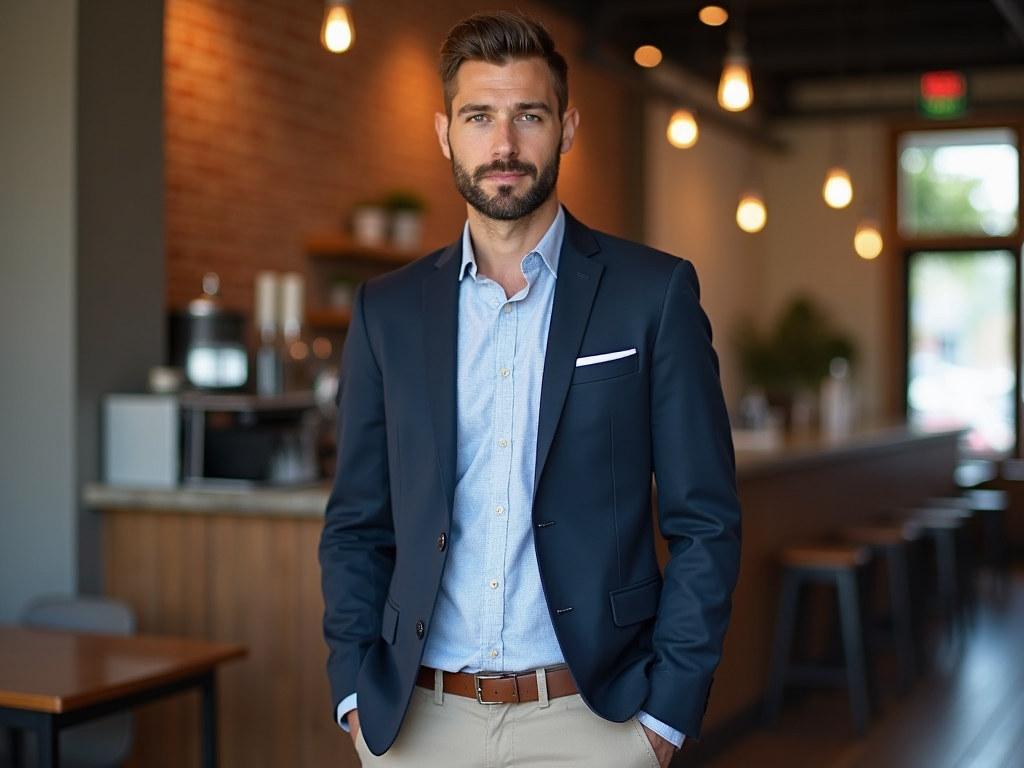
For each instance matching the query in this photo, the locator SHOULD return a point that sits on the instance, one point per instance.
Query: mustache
(505, 166)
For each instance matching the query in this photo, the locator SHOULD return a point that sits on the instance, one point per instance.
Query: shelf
(329, 318)
(339, 247)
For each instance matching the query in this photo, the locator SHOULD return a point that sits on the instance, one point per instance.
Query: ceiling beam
(1014, 15)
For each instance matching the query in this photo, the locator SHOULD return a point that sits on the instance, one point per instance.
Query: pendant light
(682, 129)
(751, 214)
(648, 56)
(837, 189)
(867, 240)
(735, 91)
(337, 33)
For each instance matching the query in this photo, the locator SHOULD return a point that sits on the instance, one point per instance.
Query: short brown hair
(500, 37)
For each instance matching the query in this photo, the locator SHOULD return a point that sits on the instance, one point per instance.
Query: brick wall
(270, 138)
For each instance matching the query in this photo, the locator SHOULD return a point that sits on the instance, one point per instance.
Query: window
(957, 216)
(958, 183)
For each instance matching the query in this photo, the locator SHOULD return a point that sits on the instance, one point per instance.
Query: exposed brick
(270, 138)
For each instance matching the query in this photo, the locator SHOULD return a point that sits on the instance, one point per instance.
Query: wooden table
(51, 679)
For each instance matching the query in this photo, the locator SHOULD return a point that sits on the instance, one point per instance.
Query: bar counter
(241, 564)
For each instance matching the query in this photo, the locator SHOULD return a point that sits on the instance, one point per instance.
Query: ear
(441, 126)
(570, 120)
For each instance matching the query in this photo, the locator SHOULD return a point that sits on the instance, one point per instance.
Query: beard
(505, 205)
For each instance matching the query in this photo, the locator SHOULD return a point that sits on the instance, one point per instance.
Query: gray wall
(81, 267)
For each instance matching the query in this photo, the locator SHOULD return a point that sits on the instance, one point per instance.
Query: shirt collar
(549, 247)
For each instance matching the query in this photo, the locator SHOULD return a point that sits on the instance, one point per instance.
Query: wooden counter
(241, 566)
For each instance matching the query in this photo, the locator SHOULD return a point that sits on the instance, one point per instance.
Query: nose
(504, 140)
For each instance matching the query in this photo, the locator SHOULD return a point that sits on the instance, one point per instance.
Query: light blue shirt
(491, 614)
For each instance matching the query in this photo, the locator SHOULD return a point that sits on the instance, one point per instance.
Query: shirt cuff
(347, 705)
(666, 732)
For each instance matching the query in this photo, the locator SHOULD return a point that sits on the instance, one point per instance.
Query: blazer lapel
(440, 344)
(578, 278)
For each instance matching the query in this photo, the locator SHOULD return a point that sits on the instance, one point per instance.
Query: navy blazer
(633, 638)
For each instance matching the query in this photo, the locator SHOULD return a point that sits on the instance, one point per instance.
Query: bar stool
(892, 543)
(949, 594)
(992, 505)
(1011, 479)
(841, 566)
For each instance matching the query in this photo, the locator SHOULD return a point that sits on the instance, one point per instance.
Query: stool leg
(997, 549)
(853, 647)
(902, 618)
(778, 670)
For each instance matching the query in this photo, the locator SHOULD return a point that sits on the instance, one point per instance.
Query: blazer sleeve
(698, 507)
(357, 545)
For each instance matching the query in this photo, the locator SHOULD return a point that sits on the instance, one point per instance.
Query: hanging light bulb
(751, 214)
(713, 15)
(735, 91)
(647, 56)
(682, 129)
(867, 240)
(837, 191)
(337, 33)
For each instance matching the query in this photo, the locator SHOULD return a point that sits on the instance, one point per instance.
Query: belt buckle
(501, 676)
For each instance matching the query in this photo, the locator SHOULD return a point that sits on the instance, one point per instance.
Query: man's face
(504, 137)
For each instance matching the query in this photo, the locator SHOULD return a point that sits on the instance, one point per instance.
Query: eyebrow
(522, 106)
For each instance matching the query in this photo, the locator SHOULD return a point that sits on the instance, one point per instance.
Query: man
(489, 573)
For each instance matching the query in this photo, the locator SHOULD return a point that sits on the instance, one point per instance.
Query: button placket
(497, 538)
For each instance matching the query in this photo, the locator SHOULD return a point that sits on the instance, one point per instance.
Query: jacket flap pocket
(635, 603)
(389, 623)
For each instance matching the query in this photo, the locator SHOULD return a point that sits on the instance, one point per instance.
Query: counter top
(791, 454)
(287, 501)
(801, 451)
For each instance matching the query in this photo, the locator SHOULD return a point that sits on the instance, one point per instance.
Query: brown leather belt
(500, 688)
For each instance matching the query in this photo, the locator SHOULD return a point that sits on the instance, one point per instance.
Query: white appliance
(142, 440)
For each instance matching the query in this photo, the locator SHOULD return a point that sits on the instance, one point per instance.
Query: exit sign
(942, 95)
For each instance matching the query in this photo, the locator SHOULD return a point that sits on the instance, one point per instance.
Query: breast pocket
(608, 369)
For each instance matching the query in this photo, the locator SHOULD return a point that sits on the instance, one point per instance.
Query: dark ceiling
(800, 42)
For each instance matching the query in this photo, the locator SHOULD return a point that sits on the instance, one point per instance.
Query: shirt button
(494, 654)
(499, 509)
(503, 443)
(420, 629)
(495, 303)
(442, 541)
(494, 583)
(503, 372)
(508, 308)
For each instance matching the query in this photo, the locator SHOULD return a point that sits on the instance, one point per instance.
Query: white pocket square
(594, 359)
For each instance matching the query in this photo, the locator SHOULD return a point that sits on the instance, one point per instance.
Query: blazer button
(419, 629)
(442, 541)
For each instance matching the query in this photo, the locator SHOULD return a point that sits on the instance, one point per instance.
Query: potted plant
(406, 210)
(790, 362)
(369, 223)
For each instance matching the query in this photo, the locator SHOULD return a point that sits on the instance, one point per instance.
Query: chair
(106, 742)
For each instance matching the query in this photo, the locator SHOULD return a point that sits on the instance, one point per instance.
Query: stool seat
(841, 566)
(882, 534)
(826, 556)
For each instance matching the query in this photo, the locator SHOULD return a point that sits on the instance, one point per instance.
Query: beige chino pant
(446, 731)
